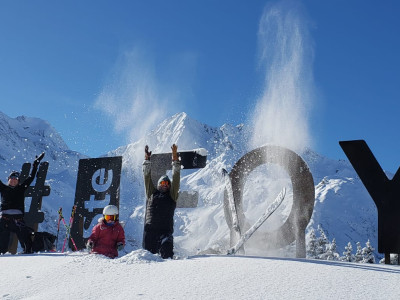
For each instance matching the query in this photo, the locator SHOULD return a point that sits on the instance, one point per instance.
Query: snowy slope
(343, 207)
(140, 275)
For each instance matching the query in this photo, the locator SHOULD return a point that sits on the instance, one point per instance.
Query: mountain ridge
(342, 208)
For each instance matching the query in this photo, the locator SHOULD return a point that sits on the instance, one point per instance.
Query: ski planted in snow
(232, 206)
(270, 210)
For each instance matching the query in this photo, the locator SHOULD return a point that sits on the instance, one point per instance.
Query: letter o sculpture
(303, 195)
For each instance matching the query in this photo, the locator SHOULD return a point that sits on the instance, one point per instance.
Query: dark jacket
(14, 197)
(160, 212)
(105, 238)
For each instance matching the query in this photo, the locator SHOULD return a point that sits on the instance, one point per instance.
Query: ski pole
(68, 231)
(66, 235)
(71, 221)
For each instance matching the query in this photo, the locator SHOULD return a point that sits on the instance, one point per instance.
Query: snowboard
(270, 210)
(193, 159)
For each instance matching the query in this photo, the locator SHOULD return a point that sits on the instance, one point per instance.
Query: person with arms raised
(161, 204)
(12, 209)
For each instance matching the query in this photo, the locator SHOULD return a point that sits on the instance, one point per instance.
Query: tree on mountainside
(330, 253)
(358, 257)
(368, 253)
(347, 254)
(322, 243)
(312, 245)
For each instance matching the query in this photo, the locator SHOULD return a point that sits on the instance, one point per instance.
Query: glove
(174, 152)
(147, 153)
(120, 246)
(89, 246)
(38, 159)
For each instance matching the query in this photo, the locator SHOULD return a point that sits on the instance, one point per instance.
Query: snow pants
(158, 242)
(15, 224)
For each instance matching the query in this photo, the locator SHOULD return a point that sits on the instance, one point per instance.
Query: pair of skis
(241, 239)
(67, 227)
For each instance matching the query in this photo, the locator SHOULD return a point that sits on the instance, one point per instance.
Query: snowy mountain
(24, 137)
(343, 208)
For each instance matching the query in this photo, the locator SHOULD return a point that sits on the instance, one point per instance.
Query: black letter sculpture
(97, 186)
(303, 195)
(384, 192)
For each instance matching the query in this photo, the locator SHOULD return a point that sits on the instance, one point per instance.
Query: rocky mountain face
(343, 208)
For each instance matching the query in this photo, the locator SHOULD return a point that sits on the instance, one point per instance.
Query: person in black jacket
(12, 209)
(161, 204)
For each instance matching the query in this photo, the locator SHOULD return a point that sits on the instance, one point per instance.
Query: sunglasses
(110, 217)
(164, 182)
(14, 177)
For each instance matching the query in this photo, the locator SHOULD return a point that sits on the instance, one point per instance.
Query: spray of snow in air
(282, 111)
(285, 54)
(132, 98)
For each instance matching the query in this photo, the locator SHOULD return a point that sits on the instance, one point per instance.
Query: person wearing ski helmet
(160, 208)
(108, 236)
(12, 209)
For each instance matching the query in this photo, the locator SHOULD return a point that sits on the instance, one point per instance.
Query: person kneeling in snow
(108, 236)
(161, 204)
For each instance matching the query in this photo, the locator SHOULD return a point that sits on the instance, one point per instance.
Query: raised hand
(174, 152)
(38, 159)
(147, 154)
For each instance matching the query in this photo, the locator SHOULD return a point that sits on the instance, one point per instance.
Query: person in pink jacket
(108, 236)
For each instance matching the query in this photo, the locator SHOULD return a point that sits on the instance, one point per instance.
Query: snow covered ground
(141, 275)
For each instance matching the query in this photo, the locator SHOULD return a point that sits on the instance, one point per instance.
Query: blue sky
(63, 62)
